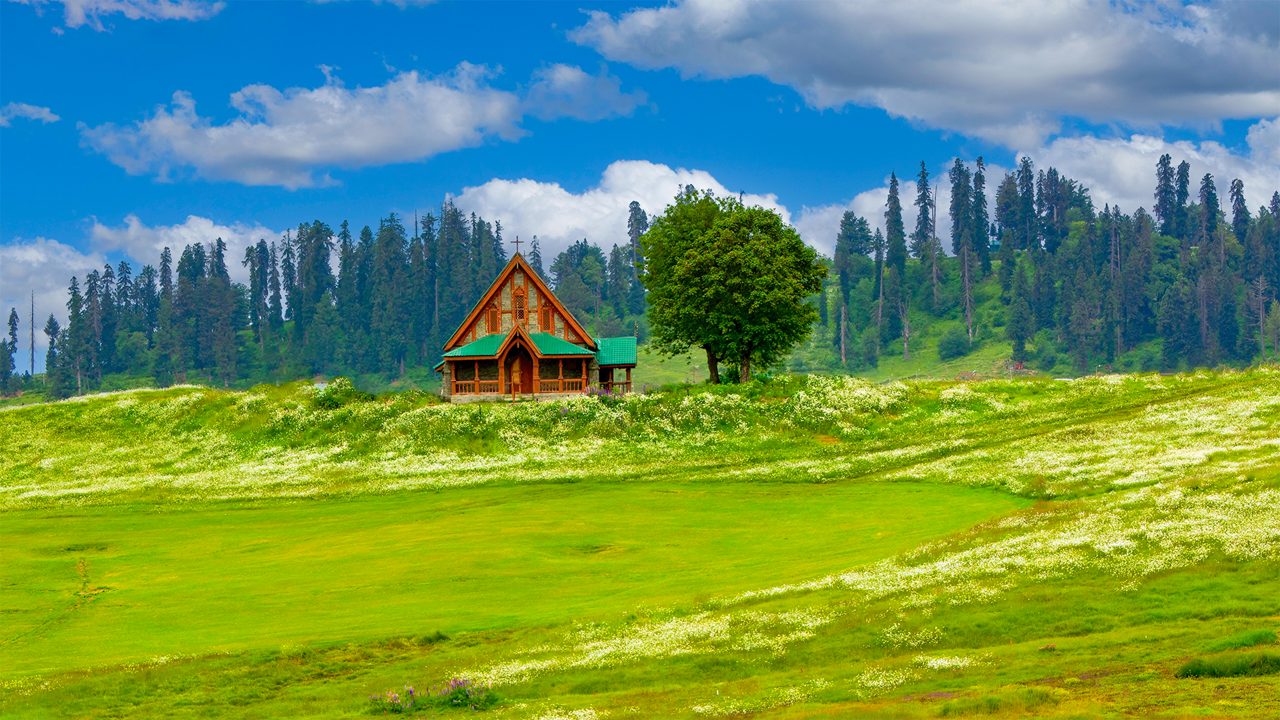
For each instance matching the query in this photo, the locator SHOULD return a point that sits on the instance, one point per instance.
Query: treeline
(395, 296)
(1192, 284)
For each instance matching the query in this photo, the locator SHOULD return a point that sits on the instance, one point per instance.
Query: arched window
(520, 314)
(493, 319)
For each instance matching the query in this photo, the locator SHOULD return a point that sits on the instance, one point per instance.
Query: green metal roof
(551, 345)
(616, 351)
(486, 346)
(613, 351)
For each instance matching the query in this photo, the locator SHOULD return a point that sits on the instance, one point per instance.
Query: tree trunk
(906, 332)
(966, 263)
(713, 366)
(844, 333)
(744, 368)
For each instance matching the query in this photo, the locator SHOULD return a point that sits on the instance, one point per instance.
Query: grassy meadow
(804, 547)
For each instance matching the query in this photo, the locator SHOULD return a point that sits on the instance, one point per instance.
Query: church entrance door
(519, 370)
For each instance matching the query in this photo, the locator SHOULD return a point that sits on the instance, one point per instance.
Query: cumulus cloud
(1122, 171)
(143, 242)
(283, 137)
(78, 13)
(288, 137)
(1007, 72)
(41, 268)
(559, 217)
(566, 91)
(29, 112)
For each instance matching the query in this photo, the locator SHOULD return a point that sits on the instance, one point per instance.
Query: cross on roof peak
(516, 242)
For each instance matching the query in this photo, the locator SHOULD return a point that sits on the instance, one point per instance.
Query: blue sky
(126, 125)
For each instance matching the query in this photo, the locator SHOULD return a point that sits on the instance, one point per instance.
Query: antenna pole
(33, 335)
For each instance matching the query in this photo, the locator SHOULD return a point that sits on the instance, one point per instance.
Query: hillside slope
(805, 547)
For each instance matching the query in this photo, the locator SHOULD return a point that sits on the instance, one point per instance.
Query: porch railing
(616, 387)
(560, 386)
(474, 387)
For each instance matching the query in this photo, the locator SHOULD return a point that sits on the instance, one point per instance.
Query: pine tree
(1165, 196)
(981, 218)
(618, 286)
(877, 289)
(389, 273)
(1027, 235)
(73, 347)
(535, 258)
(8, 348)
(897, 322)
(922, 236)
(1181, 194)
(853, 243)
(1239, 210)
(637, 225)
(220, 309)
(275, 318)
(1209, 209)
(1021, 325)
(289, 278)
(54, 363)
(962, 232)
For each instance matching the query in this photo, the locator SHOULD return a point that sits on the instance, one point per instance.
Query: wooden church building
(520, 342)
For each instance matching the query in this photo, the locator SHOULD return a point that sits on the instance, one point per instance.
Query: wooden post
(533, 379)
(501, 374)
(628, 379)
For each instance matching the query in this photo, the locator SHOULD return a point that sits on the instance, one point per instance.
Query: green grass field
(806, 547)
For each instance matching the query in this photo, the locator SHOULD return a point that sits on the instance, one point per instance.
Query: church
(520, 342)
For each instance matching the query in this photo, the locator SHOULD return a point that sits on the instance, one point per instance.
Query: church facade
(520, 342)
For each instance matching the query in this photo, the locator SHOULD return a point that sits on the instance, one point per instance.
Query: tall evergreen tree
(922, 236)
(1239, 210)
(1166, 196)
(981, 218)
(388, 307)
(896, 322)
(1181, 194)
(1027, 237)
(535, 258)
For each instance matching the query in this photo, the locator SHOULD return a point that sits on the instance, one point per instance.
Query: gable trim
(518, 260)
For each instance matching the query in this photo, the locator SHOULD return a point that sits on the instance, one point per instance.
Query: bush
(1016, 699)
(1234, 665)
(1246, 639)
(954, 344)
(459, 693)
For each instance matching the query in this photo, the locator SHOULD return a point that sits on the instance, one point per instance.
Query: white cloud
(1008, 72)
(30, 112)
(143, 243)
(78, 13)
(559, 217)
(562, 91)
(42, 267)
(287, 137)
(1122, 171)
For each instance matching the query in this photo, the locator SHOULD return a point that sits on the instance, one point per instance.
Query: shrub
(1018, 699)
(954, 344)
(459, 693)
(1234, 665)
(1245, 639)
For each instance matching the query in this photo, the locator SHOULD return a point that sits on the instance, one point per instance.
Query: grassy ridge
(805, 547)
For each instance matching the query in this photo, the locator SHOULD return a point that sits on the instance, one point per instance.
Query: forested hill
(1031, 272)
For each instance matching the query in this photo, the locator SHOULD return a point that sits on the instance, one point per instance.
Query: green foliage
(1249, 638)
(954, 344)
(1231, 665)
(729, 279)
(1013, 700)
(806, 545)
